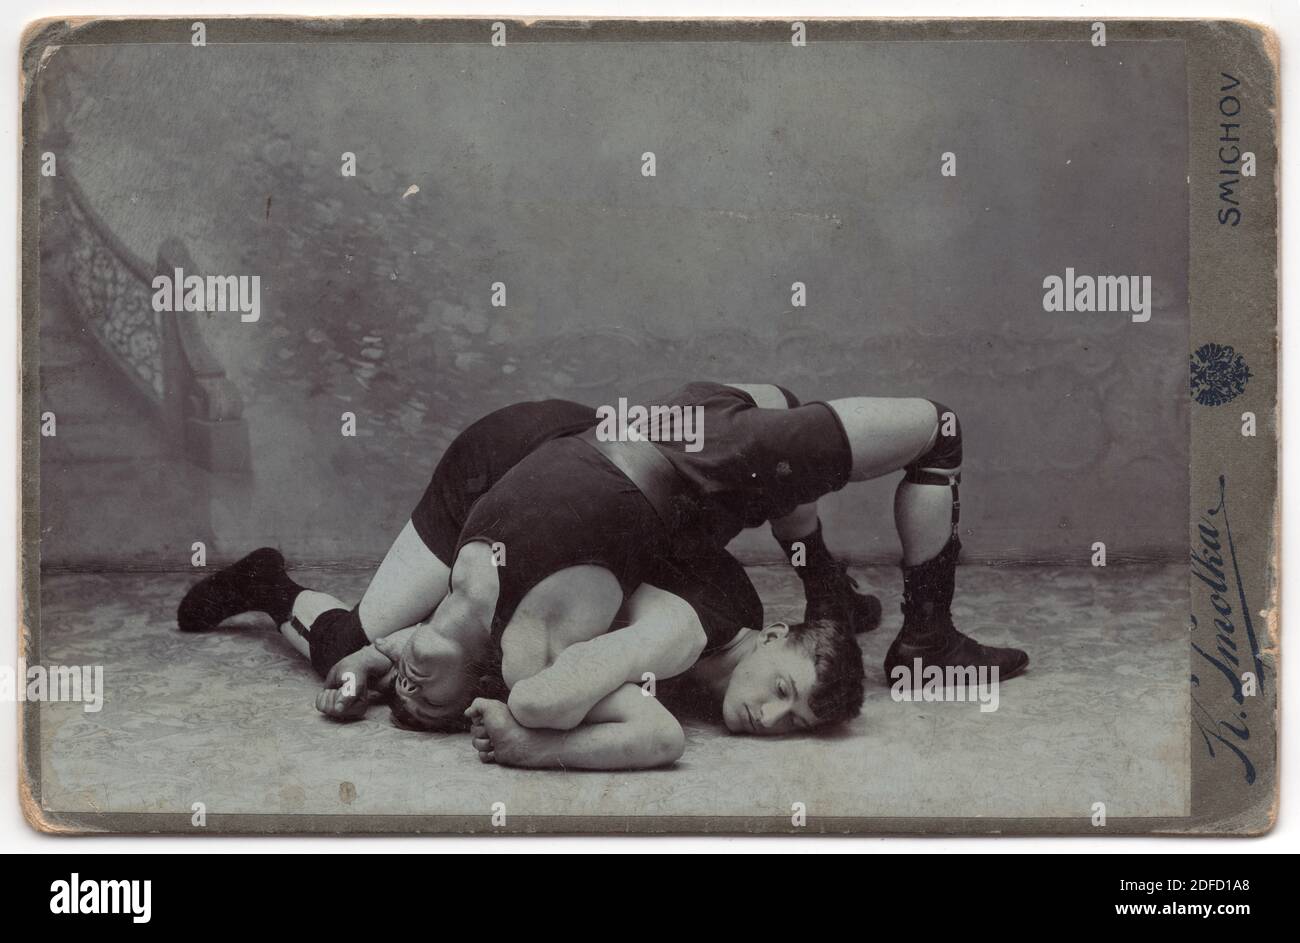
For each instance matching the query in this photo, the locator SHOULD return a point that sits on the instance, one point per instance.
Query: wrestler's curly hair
(838, 692)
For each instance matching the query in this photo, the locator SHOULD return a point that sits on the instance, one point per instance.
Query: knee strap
(929, 468)
(945, 453)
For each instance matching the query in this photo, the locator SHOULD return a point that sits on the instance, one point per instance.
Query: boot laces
(839, 579)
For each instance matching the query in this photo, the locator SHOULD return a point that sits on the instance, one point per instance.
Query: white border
(17, 836)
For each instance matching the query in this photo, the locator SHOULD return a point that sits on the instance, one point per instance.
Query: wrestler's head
(795, 678)
(434, 681)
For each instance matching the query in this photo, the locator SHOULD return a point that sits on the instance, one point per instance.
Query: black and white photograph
(608, 426)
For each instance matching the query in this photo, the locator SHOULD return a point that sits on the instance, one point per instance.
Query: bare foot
(478, 730)
(499, 738)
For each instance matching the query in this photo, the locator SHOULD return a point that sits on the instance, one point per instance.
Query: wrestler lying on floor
(757, 464)
(790, 678)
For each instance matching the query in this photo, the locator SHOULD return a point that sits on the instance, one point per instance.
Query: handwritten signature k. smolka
(1232, 651)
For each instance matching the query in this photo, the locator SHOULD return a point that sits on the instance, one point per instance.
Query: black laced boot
(257, 583)
(830, 592)
(928, 632)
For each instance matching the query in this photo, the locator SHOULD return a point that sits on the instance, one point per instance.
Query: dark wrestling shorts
(570, 506)
(755, 465)
(477, 459)
(709, 579)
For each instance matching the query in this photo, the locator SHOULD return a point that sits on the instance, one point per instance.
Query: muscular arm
(664, 639)
(624, 730)
(345, 694)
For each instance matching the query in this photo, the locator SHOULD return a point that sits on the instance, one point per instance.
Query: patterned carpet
(227, 719)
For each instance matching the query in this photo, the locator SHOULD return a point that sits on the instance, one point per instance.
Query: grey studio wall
(773, 166)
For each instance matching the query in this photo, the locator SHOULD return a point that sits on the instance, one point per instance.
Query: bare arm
(625, 730)
(345, 695)
(664, 639)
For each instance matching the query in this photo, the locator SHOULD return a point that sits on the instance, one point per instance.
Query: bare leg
(764, 395)
(626, 730)
(801, 521)
(885, 435)
(923, 516)
(407, 587)
(829, 591)
(925, 438)
(308, 606)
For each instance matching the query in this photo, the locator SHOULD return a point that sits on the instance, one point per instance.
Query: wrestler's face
(432, 688)
(769, 690)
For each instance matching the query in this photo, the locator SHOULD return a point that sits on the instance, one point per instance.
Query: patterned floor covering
(227, 719)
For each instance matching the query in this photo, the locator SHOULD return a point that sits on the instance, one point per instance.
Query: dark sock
(818, 561)
(831, 593)
(257, 583)
(334, 634)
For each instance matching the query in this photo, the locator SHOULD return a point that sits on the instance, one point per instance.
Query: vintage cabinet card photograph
(649, 426)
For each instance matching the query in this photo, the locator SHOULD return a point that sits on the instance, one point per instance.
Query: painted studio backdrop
(526, 167)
